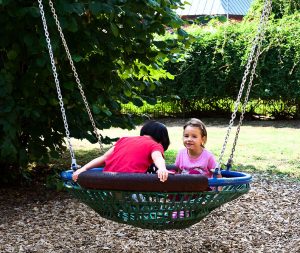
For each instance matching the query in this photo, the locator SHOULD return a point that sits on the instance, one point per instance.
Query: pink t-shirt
(132, 154)
(200, 165)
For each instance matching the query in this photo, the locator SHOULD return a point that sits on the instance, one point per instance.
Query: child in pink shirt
(194, 158)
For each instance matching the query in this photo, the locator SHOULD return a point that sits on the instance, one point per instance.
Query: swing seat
(141, 200)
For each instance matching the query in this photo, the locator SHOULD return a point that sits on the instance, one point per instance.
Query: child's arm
(97, 162)
(160, 163)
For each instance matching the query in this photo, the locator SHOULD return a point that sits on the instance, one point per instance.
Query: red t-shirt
(132, 154)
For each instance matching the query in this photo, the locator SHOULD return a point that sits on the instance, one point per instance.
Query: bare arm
(160, 163)
(97, 162)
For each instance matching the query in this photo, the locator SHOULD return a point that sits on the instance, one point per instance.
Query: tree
(117, 55)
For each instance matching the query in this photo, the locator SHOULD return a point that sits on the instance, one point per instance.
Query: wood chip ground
(267, 219)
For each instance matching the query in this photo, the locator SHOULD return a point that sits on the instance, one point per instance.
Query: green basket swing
(141, 200)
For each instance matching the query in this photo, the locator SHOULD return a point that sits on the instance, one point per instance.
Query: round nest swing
(143, 201)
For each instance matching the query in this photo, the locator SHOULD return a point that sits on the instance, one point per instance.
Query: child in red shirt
(135, 154)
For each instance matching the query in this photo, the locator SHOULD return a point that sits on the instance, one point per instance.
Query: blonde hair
(193, 122)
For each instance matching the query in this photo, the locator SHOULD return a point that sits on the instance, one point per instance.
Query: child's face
(192, 138)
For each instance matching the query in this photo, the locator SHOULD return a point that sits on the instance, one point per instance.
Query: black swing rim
(228, 177)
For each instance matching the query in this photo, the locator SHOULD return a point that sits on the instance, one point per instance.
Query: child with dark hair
(135, 154)
(158, 132)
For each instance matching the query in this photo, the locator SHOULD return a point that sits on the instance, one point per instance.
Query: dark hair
(157, 131)
(193, 122)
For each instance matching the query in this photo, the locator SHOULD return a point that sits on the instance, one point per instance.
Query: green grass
(263, 146)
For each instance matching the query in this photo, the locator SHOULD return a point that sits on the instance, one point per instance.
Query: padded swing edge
(141, 182)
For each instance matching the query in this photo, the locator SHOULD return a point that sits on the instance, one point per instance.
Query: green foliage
(117, 56)
(280, 8)
(214, 61)
(213, 68)
(278, 69)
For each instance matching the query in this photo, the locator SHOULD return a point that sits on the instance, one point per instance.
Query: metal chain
(55, 75)
(75, 74)
(265, 15)
(255, 50)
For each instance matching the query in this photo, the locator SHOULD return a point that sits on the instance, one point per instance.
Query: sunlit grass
(262, 146)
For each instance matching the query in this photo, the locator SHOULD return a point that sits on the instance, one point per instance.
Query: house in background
(233, 9)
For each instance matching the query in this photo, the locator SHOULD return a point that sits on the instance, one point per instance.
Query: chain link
(55, 75)
(252, 61)
(75, 74)
(265, 16)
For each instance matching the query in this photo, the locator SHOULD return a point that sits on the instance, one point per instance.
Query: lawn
(271, 146)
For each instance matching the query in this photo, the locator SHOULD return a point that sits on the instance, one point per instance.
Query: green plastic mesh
(153, 210)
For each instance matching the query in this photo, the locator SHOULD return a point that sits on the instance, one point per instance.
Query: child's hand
(163, 174)
(76, 173)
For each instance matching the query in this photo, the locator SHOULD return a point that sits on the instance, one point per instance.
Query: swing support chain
(59, 95)
(74, 165)
(252, 62)
(75, 74)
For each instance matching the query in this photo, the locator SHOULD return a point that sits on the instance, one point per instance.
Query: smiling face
(193, 140)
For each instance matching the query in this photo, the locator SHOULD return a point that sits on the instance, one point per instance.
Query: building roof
(215, 7)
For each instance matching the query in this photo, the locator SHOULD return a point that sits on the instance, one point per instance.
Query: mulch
(267, 219)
